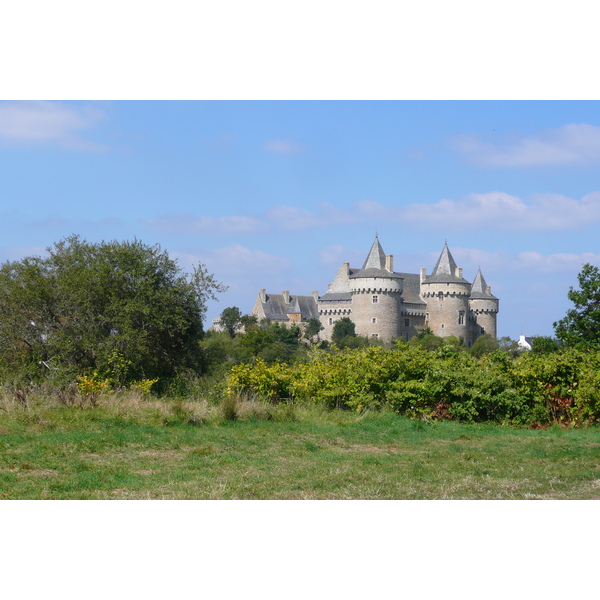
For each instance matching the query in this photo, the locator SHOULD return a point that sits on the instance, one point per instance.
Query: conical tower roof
(445, 269)
(479, 289)
(374, 265)
(376, 257)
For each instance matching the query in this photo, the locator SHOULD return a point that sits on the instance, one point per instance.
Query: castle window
(406, 322)
(461, 317)
(483, 330)
(442, 326)
(330, 320)
(375, 299)
(375, 335)
(374, 320)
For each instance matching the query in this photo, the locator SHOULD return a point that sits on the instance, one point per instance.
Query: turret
(446, 293)
(376, 296)
(484, 307)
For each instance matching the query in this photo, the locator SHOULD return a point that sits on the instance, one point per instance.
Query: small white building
(525, 343)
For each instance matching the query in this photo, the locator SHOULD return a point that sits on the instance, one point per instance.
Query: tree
(341, 329)
(581, 325)
(123, 309)
(484, 344)
(544, 345)
(231, 319)
(312, 328)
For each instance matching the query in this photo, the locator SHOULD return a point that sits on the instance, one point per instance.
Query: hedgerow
(562, 387)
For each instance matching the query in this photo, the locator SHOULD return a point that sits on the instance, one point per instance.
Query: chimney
(423, 274)
(286, 296)
(488, 289)
(389, 262)
(263, 295)
(315, 295)
(458, 272)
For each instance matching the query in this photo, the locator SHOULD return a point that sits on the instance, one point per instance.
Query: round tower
(447, 294)
(377, 296)
(484, 309)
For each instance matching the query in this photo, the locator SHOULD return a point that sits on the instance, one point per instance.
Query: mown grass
(128, 447)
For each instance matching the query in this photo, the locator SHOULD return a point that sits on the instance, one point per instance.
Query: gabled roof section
(376, 257)
(445, 269)
(276, 308)
(480, 288)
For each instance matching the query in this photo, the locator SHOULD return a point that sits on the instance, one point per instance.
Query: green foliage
(533, 390)
(544, 345)
(484, 344)
(342, 329)
(122, 309)
(581, 325)
(231, 319)
(312, 329)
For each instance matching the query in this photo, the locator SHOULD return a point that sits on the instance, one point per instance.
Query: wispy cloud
(283, 147)
(294, 217)
(530, 261)
(48, 123)
(336, 254)
(573, 144)
(235, 260)
(185, 223)
(493, 210)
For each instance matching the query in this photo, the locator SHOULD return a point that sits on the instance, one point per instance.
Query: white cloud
(213, 225)
(521, 263)
(494, 211)
(573, 144)
(20, 252)
(283, 146)
(294, 217)
(337, 254)
(48, 122)
(236, 260)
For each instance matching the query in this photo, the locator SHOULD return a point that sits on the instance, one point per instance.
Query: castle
(386, 305)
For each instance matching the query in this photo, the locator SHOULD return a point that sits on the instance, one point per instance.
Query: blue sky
(277, 194)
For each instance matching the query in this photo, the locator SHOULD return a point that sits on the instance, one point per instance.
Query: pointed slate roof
(376, 257)
(374, 265)
(445, 269)
(479, 287)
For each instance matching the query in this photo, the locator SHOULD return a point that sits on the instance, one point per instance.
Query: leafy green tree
(544, 345)
(123, 309)
(427, 339)
(231, 319)
(484, 344)
(312, 329)
(248, 321)
(342, 329)
(581, 325)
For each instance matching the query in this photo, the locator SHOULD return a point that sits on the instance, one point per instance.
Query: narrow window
(442, 326)
(375, 299)
(461, 317)
(374, 320)
(483, 330)
(330, 320)
(406, 322)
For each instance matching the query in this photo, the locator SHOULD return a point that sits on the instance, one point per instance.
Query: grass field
(131, 448)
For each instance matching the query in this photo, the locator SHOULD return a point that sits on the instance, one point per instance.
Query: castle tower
(483, 309)
(376, 296)
(447, 294)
